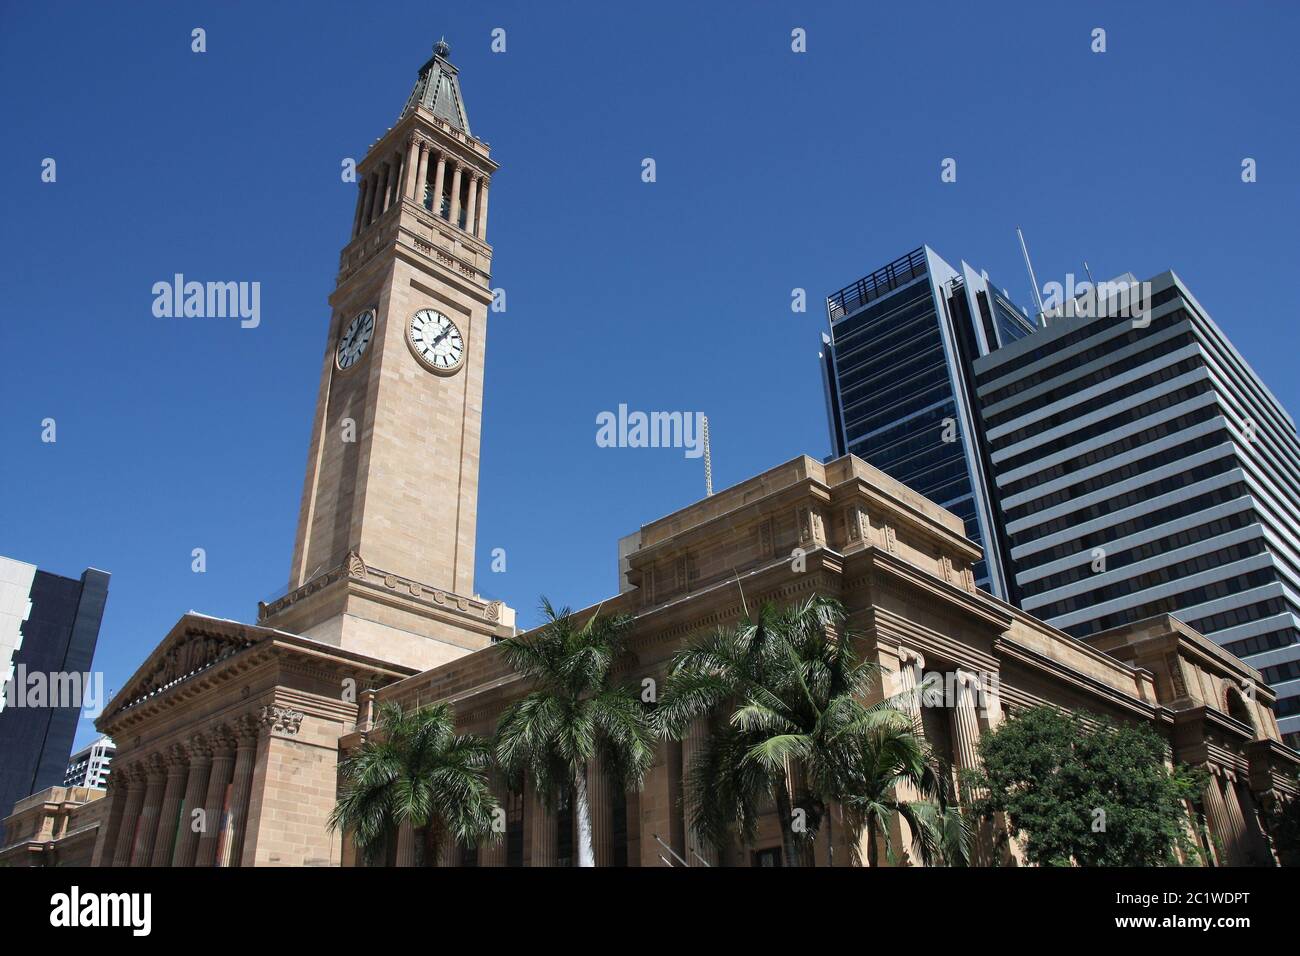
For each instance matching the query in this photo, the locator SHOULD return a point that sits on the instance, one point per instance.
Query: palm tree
(414, 768)
(891, 759)
(574, 712)
(797, 728)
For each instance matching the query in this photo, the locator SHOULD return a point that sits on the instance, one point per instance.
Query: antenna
(1089, 271)
(744, 606)
(708, 458)
(1042, 318)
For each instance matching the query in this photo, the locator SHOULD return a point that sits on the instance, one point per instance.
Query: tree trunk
(872, 857)
(830, 838)
(420, 835)
(785, 812)
(586, 850)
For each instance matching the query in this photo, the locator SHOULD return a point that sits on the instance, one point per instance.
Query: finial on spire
(442, 48)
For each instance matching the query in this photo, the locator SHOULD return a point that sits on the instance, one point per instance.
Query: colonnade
(152, 820)
(1236, 835)
(426, 174)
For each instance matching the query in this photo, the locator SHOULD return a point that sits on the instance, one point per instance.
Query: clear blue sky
(776, 170)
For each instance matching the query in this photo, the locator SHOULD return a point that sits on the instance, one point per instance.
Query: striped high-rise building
(1141, 467)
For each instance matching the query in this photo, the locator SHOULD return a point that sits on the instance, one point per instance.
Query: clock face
(436, 341)
(355, 338)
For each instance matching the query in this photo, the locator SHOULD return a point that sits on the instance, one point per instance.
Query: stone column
(164, 841)
(223, 759)
(119, 854)
(368, 216)
(694, 743)
(438, 176)
(966, 725)
(1216, 815)
(544, 834)
(363, 187)
(911, 666)
(471, 202)
(399, 174)
(245, 763)
(412, 163)
(482, 209)
(1237, 820)
(493, 852)
(381, 200)
(422, 173)
(116, 794)
(1258, 850)
(196, 789)
(455, 194)
(600, 796)
(406, 844)
(156, 777)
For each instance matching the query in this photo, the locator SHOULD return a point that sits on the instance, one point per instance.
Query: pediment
(194, 645)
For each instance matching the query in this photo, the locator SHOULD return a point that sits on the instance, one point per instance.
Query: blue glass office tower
(49, 626)
(896, 363)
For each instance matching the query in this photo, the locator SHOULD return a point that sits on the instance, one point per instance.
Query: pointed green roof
(438, 91)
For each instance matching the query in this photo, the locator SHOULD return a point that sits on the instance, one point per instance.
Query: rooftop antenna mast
(708, 458)
(1089, 271)
(1042, 317)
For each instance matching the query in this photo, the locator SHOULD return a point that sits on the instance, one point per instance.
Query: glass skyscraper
(49, 626)
(1143, 468)
(897, 367)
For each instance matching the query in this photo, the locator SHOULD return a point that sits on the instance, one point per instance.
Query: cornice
(356, 577)
(955, 598)
(1011, 650)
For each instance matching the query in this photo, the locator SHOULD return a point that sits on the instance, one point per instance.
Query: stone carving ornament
(281, 720)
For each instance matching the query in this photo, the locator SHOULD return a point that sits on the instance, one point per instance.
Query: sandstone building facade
(229, 734)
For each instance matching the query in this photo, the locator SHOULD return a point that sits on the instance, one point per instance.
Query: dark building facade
(900, 392)
(57, 628)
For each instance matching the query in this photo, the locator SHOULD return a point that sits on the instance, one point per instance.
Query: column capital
(155, 767)
(176, 759)
(280, 720)
(221, 738)
(908, 656)
(247, 728)
(199, 747)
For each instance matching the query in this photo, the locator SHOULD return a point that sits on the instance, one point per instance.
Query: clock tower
(383, 561)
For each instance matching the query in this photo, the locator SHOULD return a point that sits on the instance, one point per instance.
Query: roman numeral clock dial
(355, 338)
(436, 342)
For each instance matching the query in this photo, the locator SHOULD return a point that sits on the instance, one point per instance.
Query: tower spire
(437, 90)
